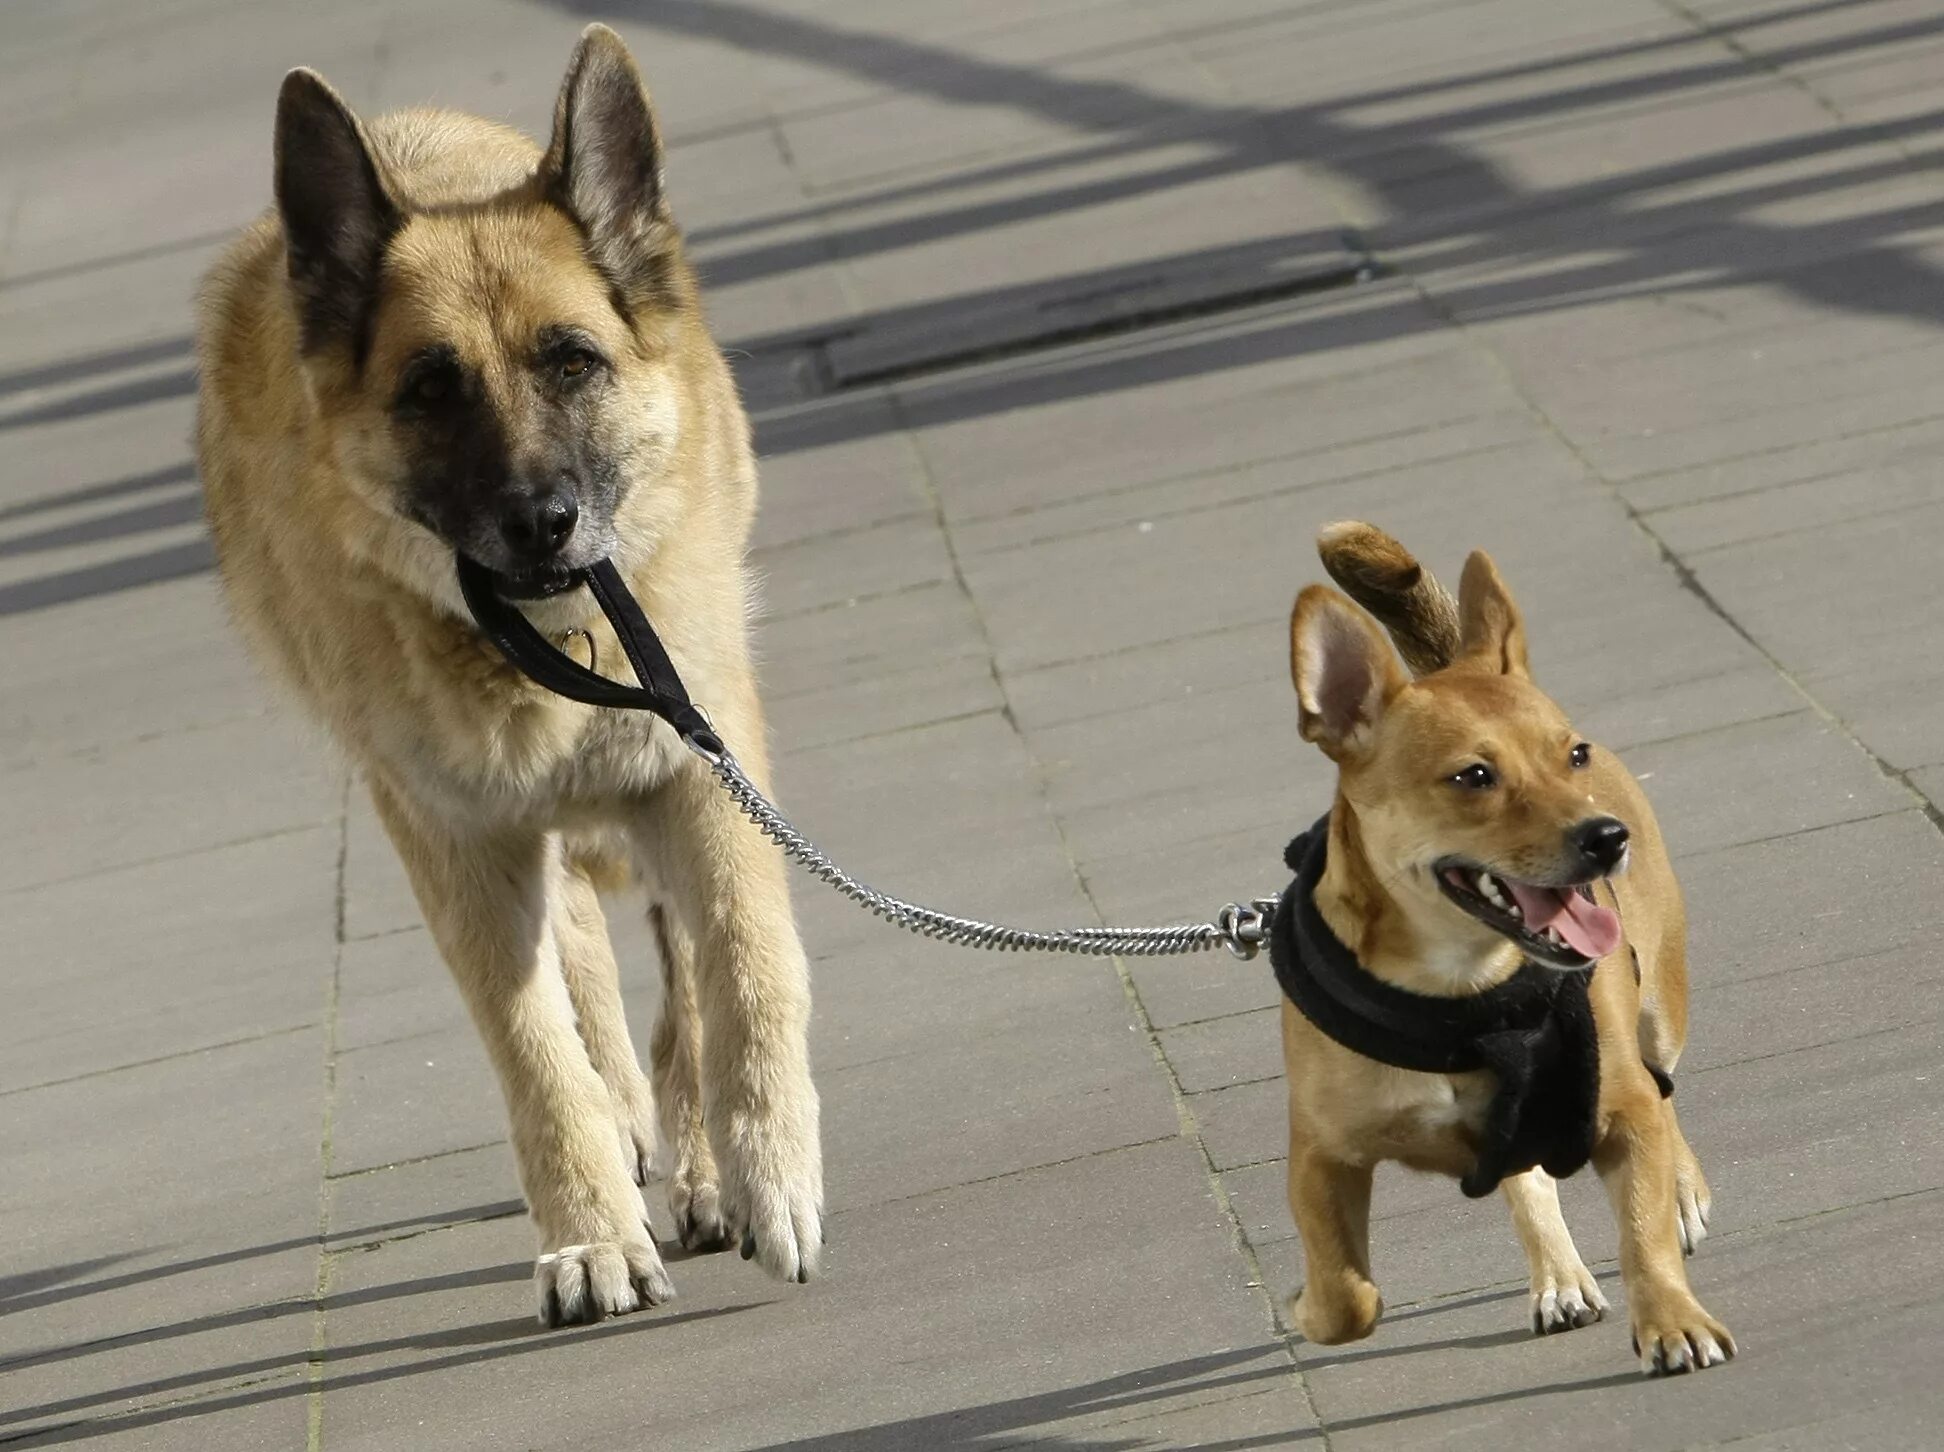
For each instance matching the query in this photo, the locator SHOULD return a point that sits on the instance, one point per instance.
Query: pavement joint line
(1188, 1023)
(909, 728)
(1238, 1084)
(1190, 1127)
(112, 868)
(1243, 501)
(379, 933)
(888, 672)
(464, 1149)
(1844, 960)
(851, 602)
(102, 749)
(1701, 732)
(1888, 511)
(1769, 451)
(326, 1254)
(1855, 1038)
(103, 1073)
(1222, 471)
(1703, 852)
(843, 532)
(1003, 1175)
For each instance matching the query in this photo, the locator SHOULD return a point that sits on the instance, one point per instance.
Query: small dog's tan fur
(434, 231)
(1396, 742)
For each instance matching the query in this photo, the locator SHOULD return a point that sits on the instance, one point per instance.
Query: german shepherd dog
(1475, 831)
(445, 341)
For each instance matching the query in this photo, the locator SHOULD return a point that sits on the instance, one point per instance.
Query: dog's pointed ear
(338, 213)
(1494, 639)
(604, 164)
(1345, 672)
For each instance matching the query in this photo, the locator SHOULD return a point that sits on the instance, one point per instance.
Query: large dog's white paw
(695, 1200)
(636, 1120)
(587, 1283)
(772, 1189)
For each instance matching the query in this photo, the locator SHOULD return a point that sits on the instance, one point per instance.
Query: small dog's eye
(430, 388)
(1581, 755)
(1477, 777)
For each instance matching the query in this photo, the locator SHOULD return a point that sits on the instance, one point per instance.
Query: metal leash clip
(1244, 927)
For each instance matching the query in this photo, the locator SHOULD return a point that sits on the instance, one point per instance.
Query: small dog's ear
(337, 211)
(1345, 672)
(1494, 631)
(604, 164)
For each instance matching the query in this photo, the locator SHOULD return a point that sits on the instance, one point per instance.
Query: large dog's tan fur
(507, 804)
(1395, 740)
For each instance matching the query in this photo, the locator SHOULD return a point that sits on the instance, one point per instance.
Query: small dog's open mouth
(1562, 927)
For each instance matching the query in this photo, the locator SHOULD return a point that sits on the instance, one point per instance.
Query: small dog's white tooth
(1516, 912)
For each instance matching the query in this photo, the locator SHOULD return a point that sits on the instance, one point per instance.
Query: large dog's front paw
(635, 1119)
(772, 1188)
(1673, 1333)
(695, 1200)
(587, 1283)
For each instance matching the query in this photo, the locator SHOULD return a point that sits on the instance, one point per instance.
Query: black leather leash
(661, 691)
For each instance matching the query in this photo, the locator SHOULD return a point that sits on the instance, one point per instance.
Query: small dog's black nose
(1602, 841)
(535, 526)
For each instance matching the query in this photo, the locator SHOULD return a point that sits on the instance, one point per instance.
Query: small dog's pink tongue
(1591, 930)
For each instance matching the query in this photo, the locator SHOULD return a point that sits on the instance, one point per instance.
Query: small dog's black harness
(1534, 1032)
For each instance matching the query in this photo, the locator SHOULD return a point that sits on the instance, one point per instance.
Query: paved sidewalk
(1065, 324)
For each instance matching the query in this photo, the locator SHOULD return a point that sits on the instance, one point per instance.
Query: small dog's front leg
(1672, 1331)
(1330, 1203)
(1564, 1293)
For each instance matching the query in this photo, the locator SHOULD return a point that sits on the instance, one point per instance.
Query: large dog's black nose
(1602, 841)
(535, 526)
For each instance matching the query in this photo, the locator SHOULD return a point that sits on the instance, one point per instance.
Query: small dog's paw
(696, 1203)
(1566, 1302)
(1350, 1313)
(1694, 1206)
(588, 1283)
(1689, 1340)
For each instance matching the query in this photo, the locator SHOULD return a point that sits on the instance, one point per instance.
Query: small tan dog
(1455, 892)
(449, 341)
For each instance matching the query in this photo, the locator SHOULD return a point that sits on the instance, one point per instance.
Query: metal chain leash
(1239, 927)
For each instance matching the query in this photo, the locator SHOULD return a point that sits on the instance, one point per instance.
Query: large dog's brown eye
(1581, 755)
(1477, 777)
(575, 366)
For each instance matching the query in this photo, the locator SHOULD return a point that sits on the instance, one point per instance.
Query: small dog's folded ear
(338, 214)
(1345, 672)
(604, 164)
(1493, 630)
